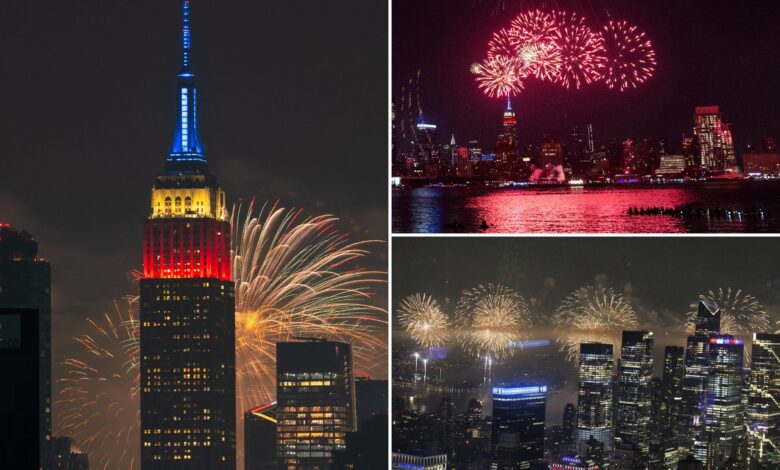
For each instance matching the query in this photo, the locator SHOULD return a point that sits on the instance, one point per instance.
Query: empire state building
(187, 305)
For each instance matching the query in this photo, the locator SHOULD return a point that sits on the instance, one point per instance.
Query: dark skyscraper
(518, 412)
(634, 376)
(187, 306)
(763, 412)
(671, 390)
(25, 282)
(594, 397)
(569, 423)
(315, 392)
(19, 398)
(260, 438)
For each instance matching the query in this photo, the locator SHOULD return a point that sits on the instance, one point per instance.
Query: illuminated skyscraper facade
(716, 141)
(507, 148)
(594, 397)
(315, 392)
(187, 306)
(671, 391)
(519, 412)
(25, 282)
(634, 377)
(763, 411)
(724, 410)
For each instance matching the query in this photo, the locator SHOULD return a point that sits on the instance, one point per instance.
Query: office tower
(519, 410)
(475, 152)
(507, 452)
(315, 393)
(66, 456)
(671, 391)
(550, 153)
(25, 282)
(763, 412)
(371, 398)
(474, 419)
(594, 397)
(260, 437)
(187, 311)
(569, 423)
(715, 139)
(19, 397)
(418, 462)
(634, 376)
(694, 387)
(507, 145)
(724, 409)
(574, 463)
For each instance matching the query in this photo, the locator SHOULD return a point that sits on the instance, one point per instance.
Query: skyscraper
(569, 423)
(697, 369)
(594, 397)
(724, 409)
(25, 282)
(260, 437)
(519, 411)
(187, 306)
(634, 376)
(763, 413)
(507, 149)
(715, 139)
(315, 392)
(671, 391)
(19, 398)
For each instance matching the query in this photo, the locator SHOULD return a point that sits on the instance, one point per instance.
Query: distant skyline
(709, 53)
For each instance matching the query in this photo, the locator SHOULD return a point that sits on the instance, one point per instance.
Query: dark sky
(709, 52)
(292, 106)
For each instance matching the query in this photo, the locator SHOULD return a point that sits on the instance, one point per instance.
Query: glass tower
(594, 397)
(634, 377)
(763, 412)
(187, 311)
(519, 411)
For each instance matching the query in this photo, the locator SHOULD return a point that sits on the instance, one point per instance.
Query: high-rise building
(371, 398)
(574, 463)
(187, 306)
(671, 392)
(569, 422)
(25, 282)
(315, 393)
(67, 456)
(419, 462)
(634, 376)
(260, 437)
(715, 139)
(724, 409)
(19, 397)
(697, 370)
(594, 397)
(763, 412)
(519, 411)
(550, 153)
(474, 419)
(507, 148)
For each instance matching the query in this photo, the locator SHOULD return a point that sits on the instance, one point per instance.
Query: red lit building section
(183, 248)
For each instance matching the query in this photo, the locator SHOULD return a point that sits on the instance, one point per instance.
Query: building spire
(186, 152)
(508, 103)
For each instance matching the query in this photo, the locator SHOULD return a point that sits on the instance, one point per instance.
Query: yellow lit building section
(189, 202)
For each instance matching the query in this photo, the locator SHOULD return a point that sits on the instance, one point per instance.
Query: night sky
(661, 277)
(292, 106)
(708, 52)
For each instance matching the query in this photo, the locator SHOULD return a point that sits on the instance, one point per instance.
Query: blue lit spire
(186, 143)
(508, 103)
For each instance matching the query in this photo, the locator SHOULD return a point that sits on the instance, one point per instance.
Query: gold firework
(421, 316)
(592, 314)
(489, 319)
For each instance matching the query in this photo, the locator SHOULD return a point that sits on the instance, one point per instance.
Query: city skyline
(692, 50)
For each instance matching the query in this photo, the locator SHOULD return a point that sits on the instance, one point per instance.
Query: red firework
(500, 76)
(629, 56)
(502, 45)
(581, 50)
(533, 35)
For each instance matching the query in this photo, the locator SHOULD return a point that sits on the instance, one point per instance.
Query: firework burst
(580, 50)
(293, 277)
(629, 56)
(533, 35)
(423, 319)
(500, 76)
(98, 403)
(592, 314)
(740, 314)
(490, 318)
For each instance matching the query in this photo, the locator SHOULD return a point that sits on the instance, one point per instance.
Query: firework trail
(293, 277)
(629, 56)
(98, 403)
(592, 314)
(490, 318)
(500, 76)
(580, 50)
(421, 316)
(741, 314)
